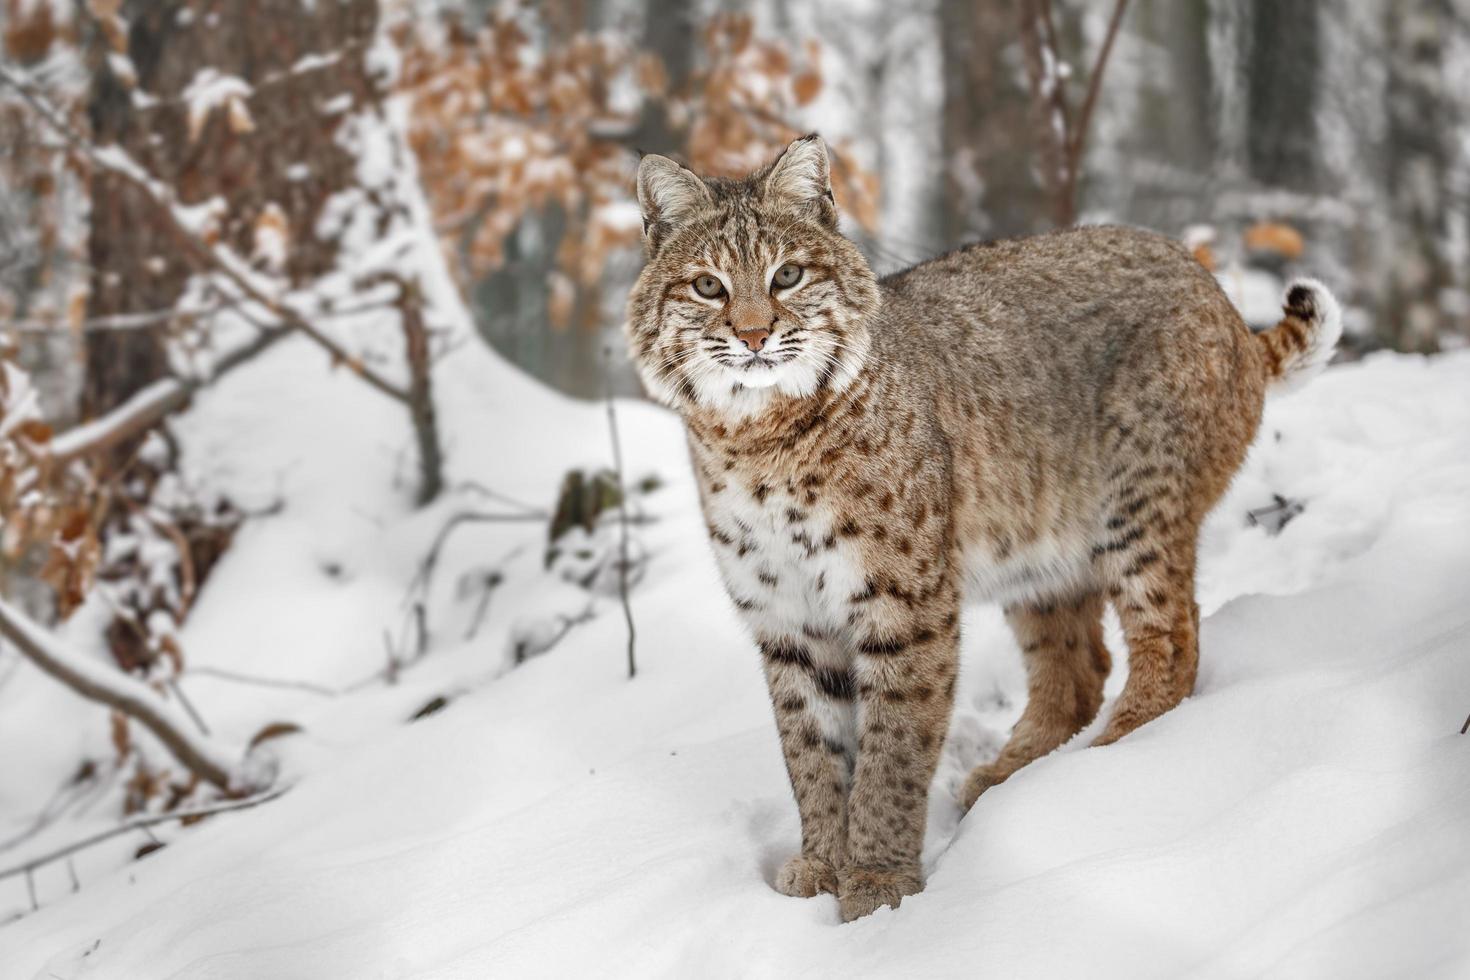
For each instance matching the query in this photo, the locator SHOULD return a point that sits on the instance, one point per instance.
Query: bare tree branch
(1062, 135)
(123, 693)
(151, 405)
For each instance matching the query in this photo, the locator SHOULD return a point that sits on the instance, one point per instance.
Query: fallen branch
(141, 824)
(121, 692)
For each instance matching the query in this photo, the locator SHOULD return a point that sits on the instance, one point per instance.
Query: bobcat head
(750, 294)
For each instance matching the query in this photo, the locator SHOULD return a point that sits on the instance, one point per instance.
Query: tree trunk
(1420, 151)
(1283, 148)
(989, 188)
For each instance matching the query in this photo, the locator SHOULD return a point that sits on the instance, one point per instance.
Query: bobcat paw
(862, 891)
(980, 779)
(803, 877)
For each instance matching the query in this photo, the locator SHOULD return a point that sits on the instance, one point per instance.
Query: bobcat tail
(1299, 347)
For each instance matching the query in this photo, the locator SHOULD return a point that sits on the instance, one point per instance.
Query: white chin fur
(743, 394)
(760, 377)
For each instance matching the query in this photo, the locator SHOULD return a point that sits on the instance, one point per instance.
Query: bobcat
(1041, 422)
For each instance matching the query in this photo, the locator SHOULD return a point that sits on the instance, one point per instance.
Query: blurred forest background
(1325, 135)
(184, 183)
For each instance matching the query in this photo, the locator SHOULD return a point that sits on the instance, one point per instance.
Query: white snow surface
(1305, 813)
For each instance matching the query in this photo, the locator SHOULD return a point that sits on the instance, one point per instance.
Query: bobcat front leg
(905, 671)
(812, 695)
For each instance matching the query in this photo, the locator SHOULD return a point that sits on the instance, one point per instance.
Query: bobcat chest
(783, 561)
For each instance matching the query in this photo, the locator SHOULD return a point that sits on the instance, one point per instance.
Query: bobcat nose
(753, 340)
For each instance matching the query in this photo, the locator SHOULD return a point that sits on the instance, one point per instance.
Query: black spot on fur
(835, 684)
(874, 647)
(786, 652)
(1141, 562)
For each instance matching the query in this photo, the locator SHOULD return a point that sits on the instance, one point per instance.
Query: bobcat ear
(802, 177)
(667, 195)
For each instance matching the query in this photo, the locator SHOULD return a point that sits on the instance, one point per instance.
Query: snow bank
(1303, 813)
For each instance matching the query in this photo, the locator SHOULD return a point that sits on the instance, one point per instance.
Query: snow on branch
(121, 692)
(133, 416)
(151, 405)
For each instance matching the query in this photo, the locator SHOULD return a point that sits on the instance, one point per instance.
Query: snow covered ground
(1307, 812)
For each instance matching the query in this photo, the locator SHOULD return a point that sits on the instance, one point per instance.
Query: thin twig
(1094, 85)
(141, 823)
(421, 631)
(230, 675)
(488, 584)
(54, 808)
(122, 322)
(1465, 727)
(188, 705)
(612, 425)
(419, 584)
(504, 498)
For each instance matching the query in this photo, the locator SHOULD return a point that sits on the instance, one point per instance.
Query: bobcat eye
(786, 276)
(709, 287)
